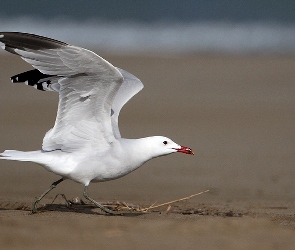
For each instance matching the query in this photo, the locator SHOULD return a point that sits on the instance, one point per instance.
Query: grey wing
(87, 87)
(131, 86)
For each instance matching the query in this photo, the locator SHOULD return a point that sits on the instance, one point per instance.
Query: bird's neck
(138, 150)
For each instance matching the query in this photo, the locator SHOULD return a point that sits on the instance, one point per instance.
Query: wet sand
(236, 112)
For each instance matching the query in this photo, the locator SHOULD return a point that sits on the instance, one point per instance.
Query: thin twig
(170, 202)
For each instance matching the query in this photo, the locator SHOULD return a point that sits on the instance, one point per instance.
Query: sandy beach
(236, 112)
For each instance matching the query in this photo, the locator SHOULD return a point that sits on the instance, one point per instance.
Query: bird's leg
(108, 211)
(53, 185)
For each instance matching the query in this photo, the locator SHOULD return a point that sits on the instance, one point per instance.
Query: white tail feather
(20, 155)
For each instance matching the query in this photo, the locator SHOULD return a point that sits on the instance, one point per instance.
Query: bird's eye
(165, 142)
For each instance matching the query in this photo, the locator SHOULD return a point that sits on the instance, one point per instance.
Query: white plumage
(85, 144)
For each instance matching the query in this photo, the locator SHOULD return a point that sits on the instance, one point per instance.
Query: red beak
(185, 150)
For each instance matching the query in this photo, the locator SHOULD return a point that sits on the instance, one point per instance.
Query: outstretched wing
(130, 87)
(87, 87)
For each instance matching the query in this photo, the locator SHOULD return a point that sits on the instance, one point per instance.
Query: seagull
(85, 144)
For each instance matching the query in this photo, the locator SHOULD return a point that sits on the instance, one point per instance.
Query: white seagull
(85, 144)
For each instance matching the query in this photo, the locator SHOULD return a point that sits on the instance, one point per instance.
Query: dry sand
(236, 112)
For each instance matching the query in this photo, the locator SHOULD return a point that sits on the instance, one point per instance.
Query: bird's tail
(20, 155)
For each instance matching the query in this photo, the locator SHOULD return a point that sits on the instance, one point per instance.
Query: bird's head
(161, 145)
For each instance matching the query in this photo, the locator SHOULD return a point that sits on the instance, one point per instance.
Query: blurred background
(166, 26)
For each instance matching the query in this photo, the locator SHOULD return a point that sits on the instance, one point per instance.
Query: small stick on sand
(170, 202)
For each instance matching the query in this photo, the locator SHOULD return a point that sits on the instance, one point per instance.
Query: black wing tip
(20, 40)
(33, 74)
(33, 78)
